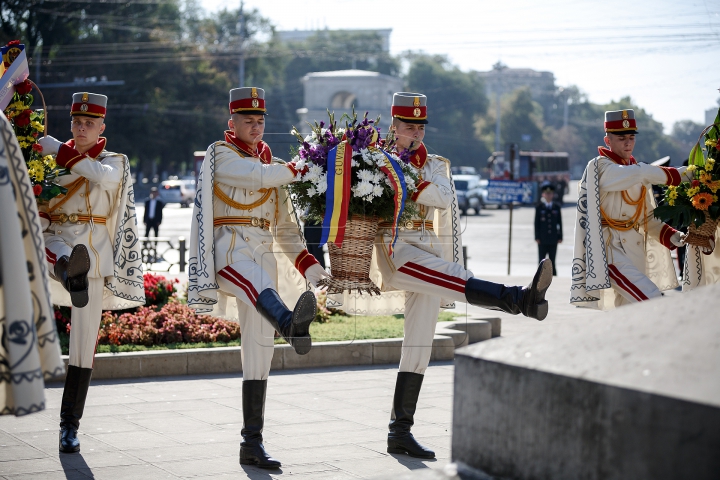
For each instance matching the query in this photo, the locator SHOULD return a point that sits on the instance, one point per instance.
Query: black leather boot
(294, 326)
(252, 451)
(530, 300)
(72, 274)
(77, 382)
(400, 440)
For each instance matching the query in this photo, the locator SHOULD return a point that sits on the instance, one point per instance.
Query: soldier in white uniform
(243, 211)
(420, 267)
(622, 252)
(81, 246)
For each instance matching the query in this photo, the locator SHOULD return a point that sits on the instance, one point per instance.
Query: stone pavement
(328, 423)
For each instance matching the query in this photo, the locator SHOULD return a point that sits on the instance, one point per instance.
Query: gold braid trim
(640, 212)
(267, 192)
(73, 188)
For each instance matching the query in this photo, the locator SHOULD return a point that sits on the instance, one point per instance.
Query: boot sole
(402, 451)
(255, 463)
(78, 268)
(543, 279)
(303, 316)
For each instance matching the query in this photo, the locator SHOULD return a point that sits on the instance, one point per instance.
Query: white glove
(708, 250)
(315, 273)
(678, 239)
(50, 145)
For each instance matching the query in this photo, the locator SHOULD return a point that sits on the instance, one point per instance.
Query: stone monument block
(631, 394)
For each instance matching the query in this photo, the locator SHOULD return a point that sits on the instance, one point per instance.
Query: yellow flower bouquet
(29, 126)
(694, 204)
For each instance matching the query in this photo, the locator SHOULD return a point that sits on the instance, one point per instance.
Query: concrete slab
(321, 423)
(634, 393)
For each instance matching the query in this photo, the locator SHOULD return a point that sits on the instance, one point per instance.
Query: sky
(664, 54)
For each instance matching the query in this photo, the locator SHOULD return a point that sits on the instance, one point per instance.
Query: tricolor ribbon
(17, 72)
(337, 195)
(397, 180)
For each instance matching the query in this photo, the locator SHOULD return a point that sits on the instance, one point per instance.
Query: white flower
(310, 138)
(367, 156)
(366, 175)
(363, 189)
(316, 170)
(312, 192)
(377, 176)
(321, 184)
(354, 163)
(377, 190)
(299, 162)
(388, 182)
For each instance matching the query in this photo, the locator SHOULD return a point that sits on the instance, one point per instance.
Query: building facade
(339, 91)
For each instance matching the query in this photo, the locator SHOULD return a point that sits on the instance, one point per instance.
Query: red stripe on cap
(247, 104)
(409, 112)
(91, 109)
(618, 125)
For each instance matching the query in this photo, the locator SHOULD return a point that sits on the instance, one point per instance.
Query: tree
(520, 123)
(686, 133)
(456, 100)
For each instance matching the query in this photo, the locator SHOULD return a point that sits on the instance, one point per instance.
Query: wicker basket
(700, 236)
(350, 264)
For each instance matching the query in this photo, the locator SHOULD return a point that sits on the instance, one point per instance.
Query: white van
(178, 191)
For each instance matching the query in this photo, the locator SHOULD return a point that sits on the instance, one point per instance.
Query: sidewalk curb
(197, 361)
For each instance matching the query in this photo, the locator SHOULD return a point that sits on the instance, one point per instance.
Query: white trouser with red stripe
(626, 266)
(427, 279)
(245, 279)
(84, 322)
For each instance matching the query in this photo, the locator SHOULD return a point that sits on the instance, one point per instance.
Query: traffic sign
(507, 191)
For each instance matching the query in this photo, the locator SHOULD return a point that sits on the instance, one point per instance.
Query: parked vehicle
(469, 193)
(178, 191)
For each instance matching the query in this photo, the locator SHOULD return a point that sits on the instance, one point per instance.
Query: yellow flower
(50, 162)
(711, 143)
(24, 144)
(715, 198)
(691, 192)
(671, 202)
(709, 163)
(691, 168)
(37, 126)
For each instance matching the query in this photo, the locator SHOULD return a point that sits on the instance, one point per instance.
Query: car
(469, 193)
(178, 191)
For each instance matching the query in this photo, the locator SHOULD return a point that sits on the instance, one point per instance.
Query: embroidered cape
(204, 293)
(30, 348)
(125, 289)
(590, 279)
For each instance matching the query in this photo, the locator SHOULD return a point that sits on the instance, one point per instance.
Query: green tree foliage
(685, 133)
(456, 100)
(521, 122)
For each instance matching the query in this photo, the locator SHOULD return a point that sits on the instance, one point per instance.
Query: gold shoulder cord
(267, 192)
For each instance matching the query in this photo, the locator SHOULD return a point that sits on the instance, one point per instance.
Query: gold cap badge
(416, 103)
(625, 115)
(85, 97)
(626, 123)
(417, 112)
(255, 103)
(254, 93)
(84, 107)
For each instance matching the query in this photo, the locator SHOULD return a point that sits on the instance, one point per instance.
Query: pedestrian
(91, 246)
(622, 252)
(153, 212)
(548, 224)
(246, 246)
(427, 264)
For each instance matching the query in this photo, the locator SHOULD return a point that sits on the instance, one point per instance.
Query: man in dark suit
(153, 212)
(548, 224)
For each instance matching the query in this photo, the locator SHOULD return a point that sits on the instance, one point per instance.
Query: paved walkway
(326, 423)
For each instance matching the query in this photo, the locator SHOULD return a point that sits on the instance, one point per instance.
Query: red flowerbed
(173, 323)
(162, 320)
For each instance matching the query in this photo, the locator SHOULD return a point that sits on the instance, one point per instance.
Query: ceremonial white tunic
(614, 266)
(425, 264)
(257, 244)
(115, 276)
